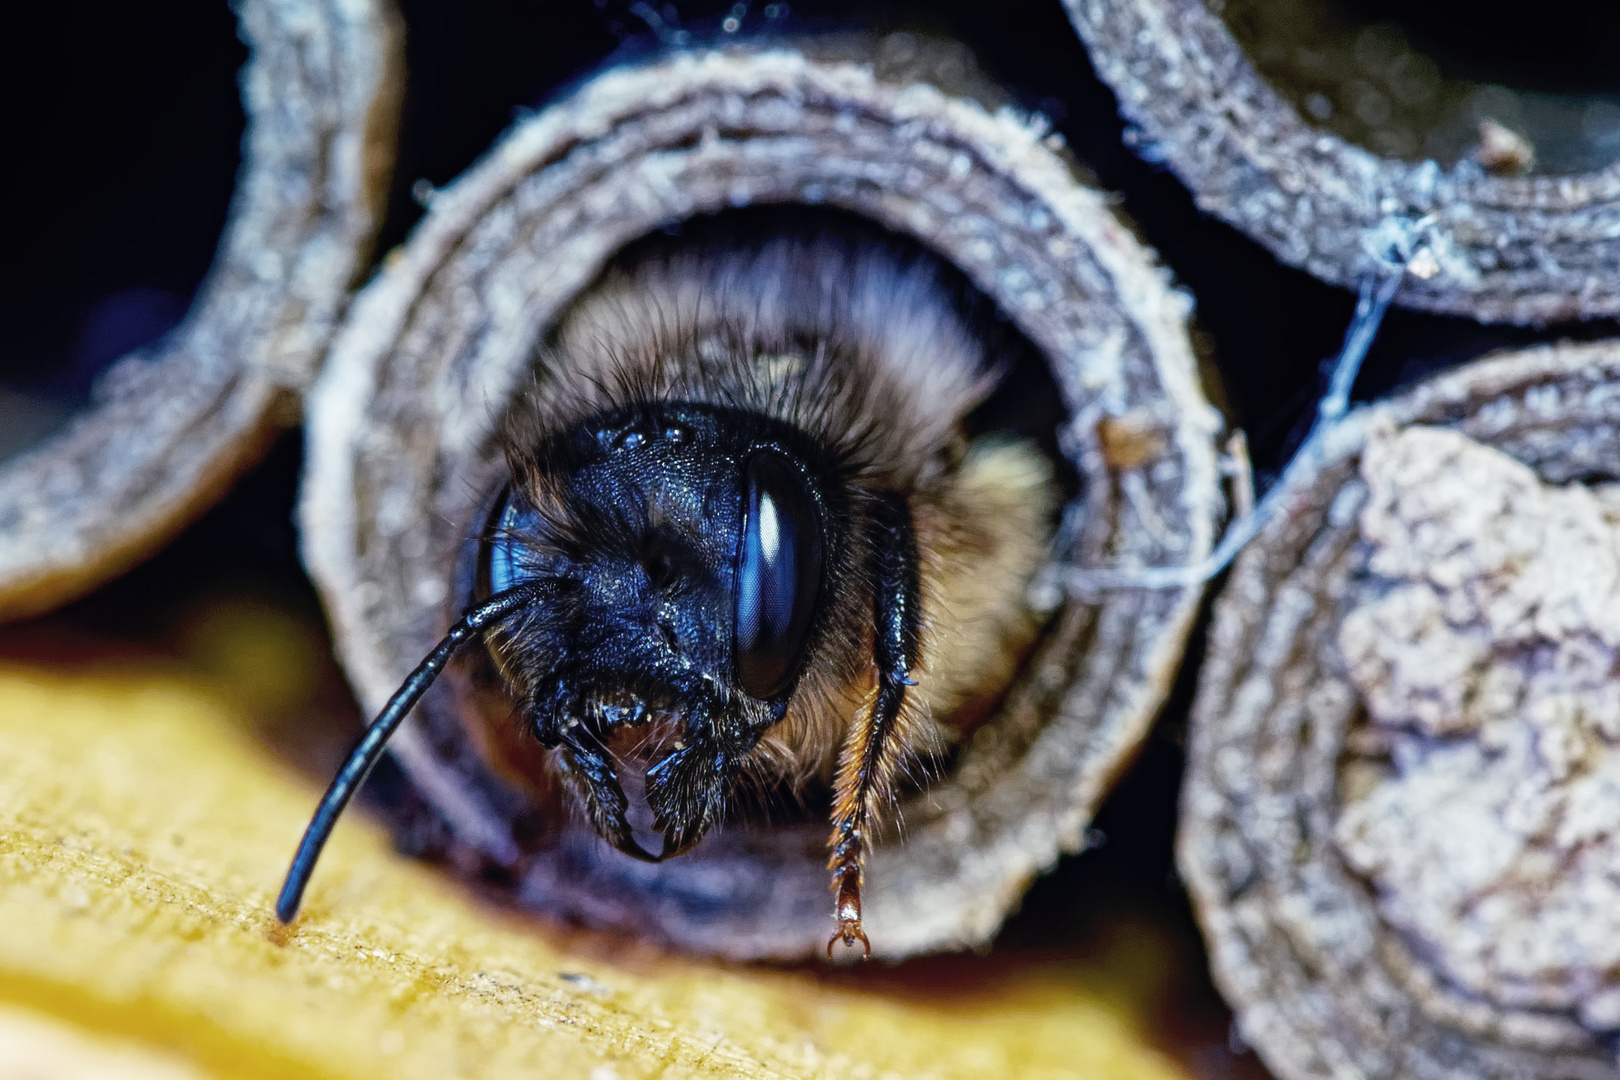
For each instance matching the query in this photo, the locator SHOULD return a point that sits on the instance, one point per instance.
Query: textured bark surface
(169, 429)
(1399, 823)
(400, 437)
(1520, 249)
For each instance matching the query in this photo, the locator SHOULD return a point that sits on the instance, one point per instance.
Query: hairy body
(743, 549)
(858, 350)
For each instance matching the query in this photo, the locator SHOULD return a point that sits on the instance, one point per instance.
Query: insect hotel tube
(1397, 826)
(169, 428)
(1315, 126)
(404, 449)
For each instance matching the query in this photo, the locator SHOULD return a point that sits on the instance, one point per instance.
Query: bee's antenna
(364, 756)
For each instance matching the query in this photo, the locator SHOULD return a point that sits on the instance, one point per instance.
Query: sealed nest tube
(1317, 127)
(506, 301)
(1400, 825)
(170, 427)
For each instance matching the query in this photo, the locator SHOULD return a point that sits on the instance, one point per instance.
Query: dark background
(121, 143)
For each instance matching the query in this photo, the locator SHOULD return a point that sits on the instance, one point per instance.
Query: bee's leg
(867, 764)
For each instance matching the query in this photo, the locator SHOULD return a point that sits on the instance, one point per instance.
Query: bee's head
(690, 549)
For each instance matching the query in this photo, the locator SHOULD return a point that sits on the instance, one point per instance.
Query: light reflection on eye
(770, 538)
(778, 575)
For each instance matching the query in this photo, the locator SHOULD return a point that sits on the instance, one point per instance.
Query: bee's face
(688, 548)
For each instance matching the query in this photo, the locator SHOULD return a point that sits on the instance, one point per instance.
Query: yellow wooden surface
(142, 836)
(37, 1046)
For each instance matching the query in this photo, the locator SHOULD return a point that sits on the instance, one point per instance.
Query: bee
(744, 544)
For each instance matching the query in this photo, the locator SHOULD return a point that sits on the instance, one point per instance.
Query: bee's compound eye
(778, 574)
(503, 554)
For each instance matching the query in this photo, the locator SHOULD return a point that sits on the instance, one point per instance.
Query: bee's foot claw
(849, 933)
(847, 882)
